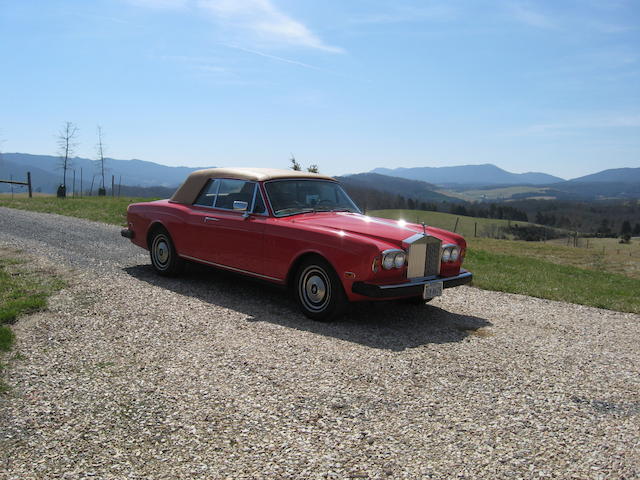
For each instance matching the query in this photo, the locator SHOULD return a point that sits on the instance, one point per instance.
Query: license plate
(432, 290)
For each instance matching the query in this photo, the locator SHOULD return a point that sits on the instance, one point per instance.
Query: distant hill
(471, 175)
(618, 183)
(614, 175)
(415, 189)
(46, 175)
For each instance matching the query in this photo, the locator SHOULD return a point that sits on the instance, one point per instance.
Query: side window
(234, 190)
(259, 207)
(207, 197)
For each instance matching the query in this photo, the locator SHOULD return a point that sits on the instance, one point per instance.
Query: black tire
(164, 258)
(318, 290)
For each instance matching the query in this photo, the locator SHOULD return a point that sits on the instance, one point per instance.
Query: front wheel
(164, 258)
(318, 290)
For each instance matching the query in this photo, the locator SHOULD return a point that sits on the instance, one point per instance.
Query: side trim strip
(246, 272)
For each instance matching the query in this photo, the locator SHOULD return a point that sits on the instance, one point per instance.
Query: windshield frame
(306, 209)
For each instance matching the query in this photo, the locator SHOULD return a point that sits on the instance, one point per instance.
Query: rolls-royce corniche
(299, 230)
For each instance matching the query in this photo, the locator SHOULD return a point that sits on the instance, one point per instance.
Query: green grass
(543, 279)
(100, 209)
(23, 289)
(603, 254)
(504, 193)
(466, 226)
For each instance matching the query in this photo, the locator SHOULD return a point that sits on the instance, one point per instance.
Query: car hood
(392, 231)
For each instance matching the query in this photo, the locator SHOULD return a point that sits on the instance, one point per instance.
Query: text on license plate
(432, 290)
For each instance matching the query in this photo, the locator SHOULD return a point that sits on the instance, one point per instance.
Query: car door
(225, 233)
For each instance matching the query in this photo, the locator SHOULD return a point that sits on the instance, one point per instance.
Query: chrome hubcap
(161, 251)
(314, 289)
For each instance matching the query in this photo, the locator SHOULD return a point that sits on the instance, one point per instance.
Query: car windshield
(291, 197)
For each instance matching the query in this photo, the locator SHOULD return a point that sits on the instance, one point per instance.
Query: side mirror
(239, 205)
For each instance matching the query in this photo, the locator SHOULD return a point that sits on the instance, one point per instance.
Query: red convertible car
(300, 230)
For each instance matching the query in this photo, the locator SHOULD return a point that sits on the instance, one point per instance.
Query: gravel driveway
(132, 376)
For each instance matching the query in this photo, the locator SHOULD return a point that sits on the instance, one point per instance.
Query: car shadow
(389, 325)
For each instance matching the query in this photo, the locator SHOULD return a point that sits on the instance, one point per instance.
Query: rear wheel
(164, 258)
(318, 290)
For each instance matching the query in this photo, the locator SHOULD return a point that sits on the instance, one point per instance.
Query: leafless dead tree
(100, 148)
(66, 148)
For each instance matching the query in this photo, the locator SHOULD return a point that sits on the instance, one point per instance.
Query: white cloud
(265, 22)
(274, 57)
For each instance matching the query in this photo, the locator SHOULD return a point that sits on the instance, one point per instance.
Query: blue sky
(349, 85)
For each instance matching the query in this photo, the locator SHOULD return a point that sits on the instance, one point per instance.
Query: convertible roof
(194, 183)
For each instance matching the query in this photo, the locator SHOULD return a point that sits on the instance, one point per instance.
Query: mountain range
(47, 175)
(424, 184)
(470, 175)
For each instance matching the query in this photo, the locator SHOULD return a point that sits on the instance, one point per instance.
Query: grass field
(532, 276)
(23, 289)
(100, 209)
(466, 226)
(503, 193)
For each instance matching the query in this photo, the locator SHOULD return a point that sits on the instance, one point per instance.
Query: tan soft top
(195, 182)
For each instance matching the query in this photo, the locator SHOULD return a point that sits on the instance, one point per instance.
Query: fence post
(113, 186)
(456, 225)
(475, 229)
(29, 184)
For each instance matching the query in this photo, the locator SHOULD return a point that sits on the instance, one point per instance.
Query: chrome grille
(423, 256)
(432, 262)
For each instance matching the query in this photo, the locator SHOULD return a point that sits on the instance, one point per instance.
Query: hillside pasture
(466, 226)
(503, 193)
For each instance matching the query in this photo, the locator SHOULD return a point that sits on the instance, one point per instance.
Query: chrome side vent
(423, 256)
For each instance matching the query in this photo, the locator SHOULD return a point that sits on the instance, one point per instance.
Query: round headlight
(399, 260)
(387, 261)
(446, 254)
(455, 253)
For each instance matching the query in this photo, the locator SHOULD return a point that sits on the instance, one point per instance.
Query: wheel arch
(154, 227)
(295, 265)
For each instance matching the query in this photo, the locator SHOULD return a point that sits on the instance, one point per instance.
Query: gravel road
(211, 376)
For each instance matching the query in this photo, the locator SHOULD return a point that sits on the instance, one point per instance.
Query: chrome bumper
(412, 288)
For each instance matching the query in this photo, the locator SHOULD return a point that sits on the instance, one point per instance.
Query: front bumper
(412, 288)
(126, 233)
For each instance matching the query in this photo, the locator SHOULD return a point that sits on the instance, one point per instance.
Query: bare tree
(66, 148)
(294, 164)
(100, 147)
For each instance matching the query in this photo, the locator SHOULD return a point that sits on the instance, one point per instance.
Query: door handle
(211, 219)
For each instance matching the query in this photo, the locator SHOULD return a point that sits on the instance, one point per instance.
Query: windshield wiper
(294, 211)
